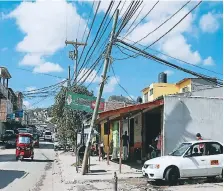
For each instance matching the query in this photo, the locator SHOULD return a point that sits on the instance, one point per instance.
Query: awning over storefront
(129, 110)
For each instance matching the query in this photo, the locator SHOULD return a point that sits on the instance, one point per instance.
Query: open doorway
(152, 130)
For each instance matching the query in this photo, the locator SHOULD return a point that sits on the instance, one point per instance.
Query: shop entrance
(152, 129)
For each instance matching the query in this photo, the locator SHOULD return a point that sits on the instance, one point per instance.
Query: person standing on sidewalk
(199, 137)
(125, 140)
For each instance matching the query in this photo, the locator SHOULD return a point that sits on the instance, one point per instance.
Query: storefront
(140, 124)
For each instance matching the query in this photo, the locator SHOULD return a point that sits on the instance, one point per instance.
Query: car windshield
(9, 133)
(47, 133)
(25, 140)
(181, 149)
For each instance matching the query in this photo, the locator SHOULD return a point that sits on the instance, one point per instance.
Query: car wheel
(158, 182)
(172, 176)
(211, 178)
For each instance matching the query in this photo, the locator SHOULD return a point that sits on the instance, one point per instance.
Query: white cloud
(111, 84)
(31, 88)
(177, 47)
(93, 77)
(46, 24)
(208, 61)
(169, 72)
(32, 60)
(47, 67)
(209, 22)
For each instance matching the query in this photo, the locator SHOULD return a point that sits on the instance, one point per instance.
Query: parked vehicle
(202, 158)
(24, 146)
(9, 139)
(48, 136)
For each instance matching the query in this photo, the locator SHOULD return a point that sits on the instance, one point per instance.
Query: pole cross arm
(75, 43)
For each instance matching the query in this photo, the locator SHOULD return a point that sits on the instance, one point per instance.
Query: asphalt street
(36, 175)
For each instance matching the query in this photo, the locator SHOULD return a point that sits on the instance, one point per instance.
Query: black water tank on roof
(139, 100)
(162, 77)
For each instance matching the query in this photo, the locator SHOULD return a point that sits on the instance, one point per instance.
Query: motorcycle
(24, 146)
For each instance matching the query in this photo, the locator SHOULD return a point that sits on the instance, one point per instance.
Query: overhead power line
(40, 73)
(169, 18)
(157, 59)
(172, 57)
(45, 88)
(90, 30)
(136, 55)
(121, 85)
(141, 19)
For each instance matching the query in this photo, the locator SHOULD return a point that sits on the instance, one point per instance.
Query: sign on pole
(82, 102)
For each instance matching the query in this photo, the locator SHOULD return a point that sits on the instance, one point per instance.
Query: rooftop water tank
(162, 77)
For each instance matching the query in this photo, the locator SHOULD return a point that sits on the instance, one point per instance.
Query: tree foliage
(68, 121)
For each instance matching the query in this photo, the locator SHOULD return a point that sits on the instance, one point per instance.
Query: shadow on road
(8, 176)
(42, 160)
(7, 158)
(46, 145)
(187, 182)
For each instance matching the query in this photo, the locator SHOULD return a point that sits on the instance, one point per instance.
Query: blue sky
(33, 34)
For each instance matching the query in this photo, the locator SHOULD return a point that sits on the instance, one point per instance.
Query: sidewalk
(99, 169)
(101, 177)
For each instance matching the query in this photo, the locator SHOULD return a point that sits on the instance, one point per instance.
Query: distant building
(6, 106)
(156, 90)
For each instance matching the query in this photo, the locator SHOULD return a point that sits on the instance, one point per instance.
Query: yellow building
(156, 90)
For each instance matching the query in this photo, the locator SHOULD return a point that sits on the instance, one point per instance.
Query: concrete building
(176, 117)
(6, 106)
(155, 90)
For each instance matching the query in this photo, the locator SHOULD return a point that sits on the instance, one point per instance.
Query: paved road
(38, 175)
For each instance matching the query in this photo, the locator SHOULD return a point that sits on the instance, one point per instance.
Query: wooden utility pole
(74, 54)
(108, 141)
(95, 112)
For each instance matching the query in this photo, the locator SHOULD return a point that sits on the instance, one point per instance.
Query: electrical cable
(95, 76)
(40, 73)
(168, 30)
(159, 52)
(164, 62)
(88, 21)
(90, 30)
(169, 18)
(47, 87)
(90, 69)
(121, 85)
(131, 11)
(142, 18)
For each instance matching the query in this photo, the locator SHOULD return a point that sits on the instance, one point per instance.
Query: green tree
(68, 121)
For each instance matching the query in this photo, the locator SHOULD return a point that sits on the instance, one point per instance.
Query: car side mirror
(187, 156)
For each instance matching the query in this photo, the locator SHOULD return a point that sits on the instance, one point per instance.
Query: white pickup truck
(202, 158)
(48, 136)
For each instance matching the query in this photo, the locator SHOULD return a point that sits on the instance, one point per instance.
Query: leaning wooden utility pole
(74, 55)
(95, 112)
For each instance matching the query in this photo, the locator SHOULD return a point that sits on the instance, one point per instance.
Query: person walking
(125, 140)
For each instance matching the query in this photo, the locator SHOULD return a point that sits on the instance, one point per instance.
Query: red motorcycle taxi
(24, 146)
